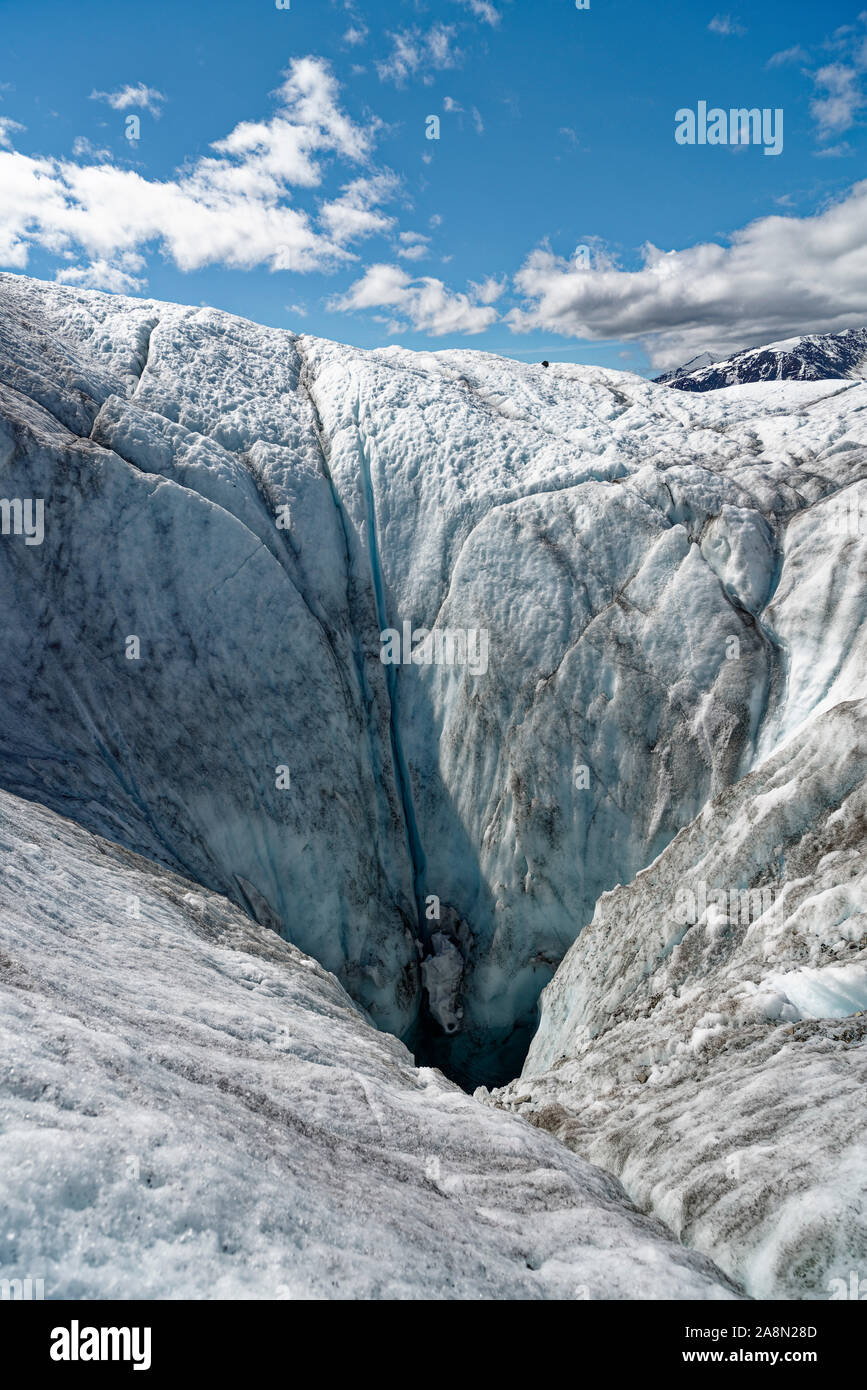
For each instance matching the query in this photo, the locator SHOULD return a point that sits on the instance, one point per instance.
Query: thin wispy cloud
(82, 148)
(840, 97)
(138, 97)
(726, 25)
(454, 108)
(839, 94)
(483, 10)
(417, 53)
(840, 151)
(797, 54)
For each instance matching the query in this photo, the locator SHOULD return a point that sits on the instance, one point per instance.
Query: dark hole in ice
(463, 1044)
(470, 1060)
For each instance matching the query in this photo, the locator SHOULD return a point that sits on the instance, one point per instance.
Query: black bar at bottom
(169, 1338)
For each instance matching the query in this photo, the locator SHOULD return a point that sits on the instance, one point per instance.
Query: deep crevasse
(611, 536)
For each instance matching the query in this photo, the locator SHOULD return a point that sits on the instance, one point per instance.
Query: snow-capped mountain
(415, 656)
(695, 364)
(813, 357)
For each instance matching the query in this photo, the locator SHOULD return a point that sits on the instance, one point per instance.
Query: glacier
(616, 541)
(671, 588)
(193, 1109)
(718, 1066)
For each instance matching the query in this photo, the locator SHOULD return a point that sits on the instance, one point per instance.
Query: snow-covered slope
(706, 1037)
(191, 1108)
(663, 582)
(813, 357)
(162, 489)
(695, 364)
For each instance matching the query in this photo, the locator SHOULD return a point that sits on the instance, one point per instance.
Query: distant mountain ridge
(812, 357)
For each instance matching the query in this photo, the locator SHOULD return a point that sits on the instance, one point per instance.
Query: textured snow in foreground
(719, 1065)
(612, 537)
(189, 1107)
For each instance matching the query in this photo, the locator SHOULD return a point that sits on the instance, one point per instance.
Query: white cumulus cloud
(489, 290)
(427, 304)
(414, 246)
(117, 276)
(780, 276)
(232, 207)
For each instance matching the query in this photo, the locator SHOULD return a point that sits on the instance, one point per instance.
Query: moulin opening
(469, 1062)
(470, 1057)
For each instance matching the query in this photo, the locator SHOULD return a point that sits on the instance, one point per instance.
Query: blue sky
(283, 172)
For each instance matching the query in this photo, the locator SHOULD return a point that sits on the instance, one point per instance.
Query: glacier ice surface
(191, 1108)
(662, 587)
(718, 1066)
(671, 587)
